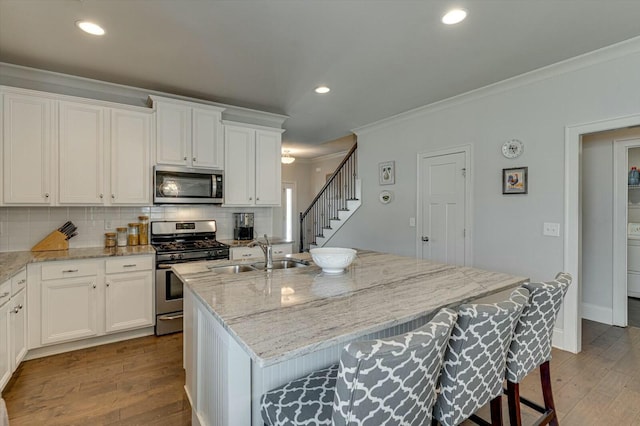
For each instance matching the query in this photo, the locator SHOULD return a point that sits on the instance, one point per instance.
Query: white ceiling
(380, 58)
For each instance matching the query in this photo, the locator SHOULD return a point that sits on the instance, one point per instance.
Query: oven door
(168, 300)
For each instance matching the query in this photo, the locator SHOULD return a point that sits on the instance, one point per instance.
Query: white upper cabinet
(81, 153)
(130, 158)
(253, 171)
(188, 134)
(28, 135)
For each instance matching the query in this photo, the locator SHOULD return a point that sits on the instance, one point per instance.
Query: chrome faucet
(267, 249)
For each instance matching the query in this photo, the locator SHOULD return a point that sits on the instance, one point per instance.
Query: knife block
(54, 241)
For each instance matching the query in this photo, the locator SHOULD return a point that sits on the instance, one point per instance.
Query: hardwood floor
(140, 382)
(136, 382)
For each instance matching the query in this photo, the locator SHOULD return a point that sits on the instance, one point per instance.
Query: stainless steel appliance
(179, 242)
(180, 185)
(243, 226)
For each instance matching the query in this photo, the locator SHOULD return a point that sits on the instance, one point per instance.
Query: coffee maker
(243, 226)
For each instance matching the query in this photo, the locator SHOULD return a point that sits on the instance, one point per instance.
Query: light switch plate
(412, 222)
(551, 229)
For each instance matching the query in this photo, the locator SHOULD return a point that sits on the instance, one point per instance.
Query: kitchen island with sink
(250, 331)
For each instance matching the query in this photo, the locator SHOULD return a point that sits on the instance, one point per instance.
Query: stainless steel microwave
(185, 185)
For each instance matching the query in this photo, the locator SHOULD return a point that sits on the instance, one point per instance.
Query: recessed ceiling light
(90, 27)
(322, 90)
(454, 16)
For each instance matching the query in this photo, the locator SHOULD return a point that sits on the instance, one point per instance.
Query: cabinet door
(28, 133)
(130, 162)
(81, 153)
(268, 168)
(18, 328)
(69, 309)
(239, 160)
(5, 350)
(207, 145)
(173, 134)
(129, 301)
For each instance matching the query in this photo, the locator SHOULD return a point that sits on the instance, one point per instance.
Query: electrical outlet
(108, 225)
(412, 222)
(551, 229)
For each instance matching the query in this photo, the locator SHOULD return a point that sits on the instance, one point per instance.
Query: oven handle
(163, 266)
(170, 317)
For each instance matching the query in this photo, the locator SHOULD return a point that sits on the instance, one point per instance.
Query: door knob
(425, 239)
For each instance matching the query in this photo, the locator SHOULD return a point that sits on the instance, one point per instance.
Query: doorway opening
(289, 208)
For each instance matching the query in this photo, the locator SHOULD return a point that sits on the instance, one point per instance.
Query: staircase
(338, 199)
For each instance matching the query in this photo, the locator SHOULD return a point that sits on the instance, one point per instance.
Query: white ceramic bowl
(332, 260)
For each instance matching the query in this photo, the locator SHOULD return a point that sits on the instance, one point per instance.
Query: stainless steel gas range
(179, 242)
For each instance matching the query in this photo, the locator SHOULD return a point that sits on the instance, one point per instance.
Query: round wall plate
(385, 197)
(513, 148)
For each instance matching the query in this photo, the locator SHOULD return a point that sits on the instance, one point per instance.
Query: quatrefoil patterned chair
(531, 347)
(475, 361)
(385, 381)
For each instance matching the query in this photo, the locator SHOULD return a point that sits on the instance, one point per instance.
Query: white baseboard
(557, 340)
(87, 343)
(597, 313)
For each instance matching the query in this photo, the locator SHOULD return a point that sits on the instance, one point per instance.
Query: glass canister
(109, 239)
(144, 230)
(122, 236)
(134, 234)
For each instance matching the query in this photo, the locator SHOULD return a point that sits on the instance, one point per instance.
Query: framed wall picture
(515, 180)
(387, 173)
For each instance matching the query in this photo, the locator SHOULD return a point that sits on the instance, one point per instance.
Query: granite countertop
(282, 314)
(13, 261)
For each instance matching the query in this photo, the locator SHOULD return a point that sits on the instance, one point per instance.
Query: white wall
(535, 108)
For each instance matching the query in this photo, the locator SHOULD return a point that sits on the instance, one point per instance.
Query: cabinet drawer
(69, 270)
(129, 264)
(282, 249)
(246, 253)
(5, 292)
(19, 281)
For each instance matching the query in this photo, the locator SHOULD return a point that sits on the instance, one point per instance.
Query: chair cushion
(531, 343)
(392, 380)
(475, 360)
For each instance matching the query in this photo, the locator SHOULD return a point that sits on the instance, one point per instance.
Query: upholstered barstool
(387, 381)
(474, 364)
(531, 347)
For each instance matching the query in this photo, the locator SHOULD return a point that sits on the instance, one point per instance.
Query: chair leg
(547, 394)
(496, 411)
(513, 398)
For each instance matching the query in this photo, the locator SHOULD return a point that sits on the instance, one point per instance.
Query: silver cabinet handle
(250, 198)
(101, 195)
(194, 158)
(22, 281)
(425, 239)
(170, 317)
(3, 295)
(15, 310)
(69, 270)
(247, 255)
(132, 265)
(46, 195)
(113, 196)
(20, 306)
(108, 284)
(185, 158)
(94, 286)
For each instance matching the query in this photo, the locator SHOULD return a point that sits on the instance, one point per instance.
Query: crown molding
(325, 157)
(71, 85)
(609, 53)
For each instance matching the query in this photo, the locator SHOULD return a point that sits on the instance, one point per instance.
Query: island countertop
(281, 314)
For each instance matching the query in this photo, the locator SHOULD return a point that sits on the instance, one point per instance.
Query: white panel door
(173, 134)
(268, 168)
(81, 153)
(5, 353)
(69, 309)
(129, 301)
(18, 327)
(443, 208)
(239, 160)
(130, 161)
(28, 136)
(207, 144)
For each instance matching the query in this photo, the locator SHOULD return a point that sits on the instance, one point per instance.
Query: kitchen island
(249, 332)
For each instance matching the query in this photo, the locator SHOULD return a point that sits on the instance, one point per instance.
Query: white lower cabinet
(69, 309)
(13, 326)
(76, 300)
(5, 353)
(128, 301)
(18, 326)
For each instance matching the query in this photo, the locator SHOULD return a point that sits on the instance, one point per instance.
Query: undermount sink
(282, 264)
(231, 269)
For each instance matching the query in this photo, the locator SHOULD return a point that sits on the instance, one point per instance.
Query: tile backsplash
(22, 227)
